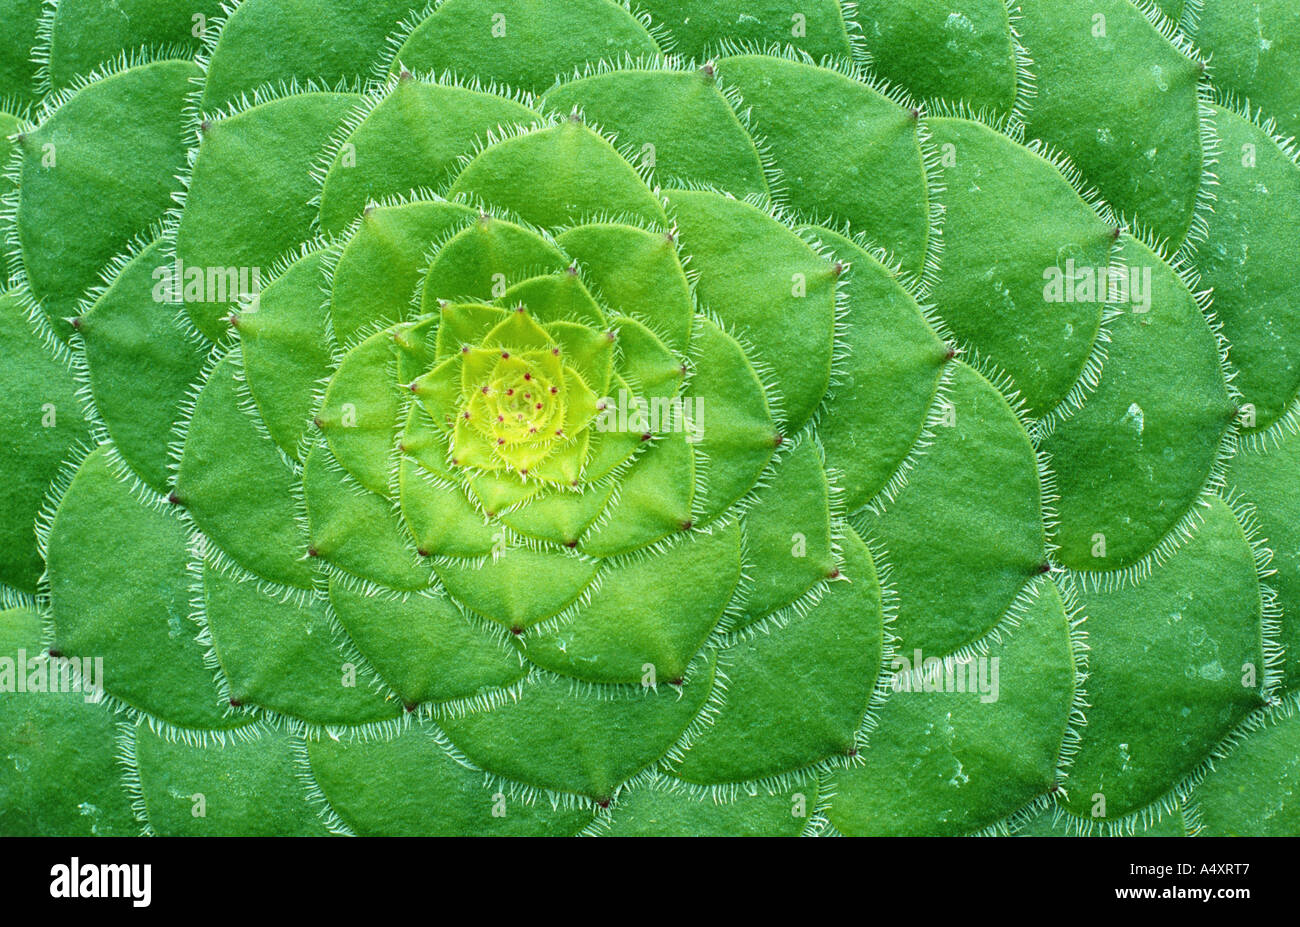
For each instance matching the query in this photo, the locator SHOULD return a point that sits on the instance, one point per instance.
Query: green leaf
(557, 176)
(874, 417)
(797, 694)
(817, 28)
(238, 489)
(379, 269)
(130, 609)
(17, 70)
(1131, 462)
(966, 531)
(1196, 618)
(425, 645)
(141, 363)
(638, 274)
(1251, 791)
(47, 789)
(654, 500)
(523, 43)
(665, 809)
(269, 42)
(357, 531)
(952, 756)
(245, 785)
(413, 139)
(486, 255)
(559, 736)
(247, 203)
(939, 50)
(360, 413)
(1265, 477)
(789, 538)
(518, 587)
(1248, 262)
(284, 655)
(40, 422)
(1012, 221)
(286, 353)
(1123, 102)
(410, 784)
(678, 123)
(649, 615)
(771, 286)
(97, 173)
(1253, 48)
(86, 33)
(862, 152)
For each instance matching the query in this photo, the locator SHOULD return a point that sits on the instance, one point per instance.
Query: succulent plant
(721, 417)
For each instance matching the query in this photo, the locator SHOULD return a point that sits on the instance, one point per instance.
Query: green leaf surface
(735, 435)
(1266, 478)
(1012, 222)
(357, 531)
(678, 123)
(556, 176)
(379, 269)
(1123, 103)
(524, 43)
(764, 281)
(238, 489)
(141, 362)
(1197, 617)
(430, 125)
(585, 742)
(1254, 52)
(862, 152)
(247, 203)
(40, 422)
(360, 413)
(1237, 798)
(411, 785)
(874, 417)
(664, 809)
(285, 350)
(1130, 463)
(131, 610)
(949, 759)
(285, 656)
(817, 28)
(1248, 261)
(654, 500)
(270, 42)
(798, 694)
(424, 645)
(96, 174)
(17, 70)
(966, 531)
(519, 587)
(45, 788)
(244, 786)
(649, 615)
(484, 258)
(789, 536)
(638, 274)
(86, 33)
(942, 50)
